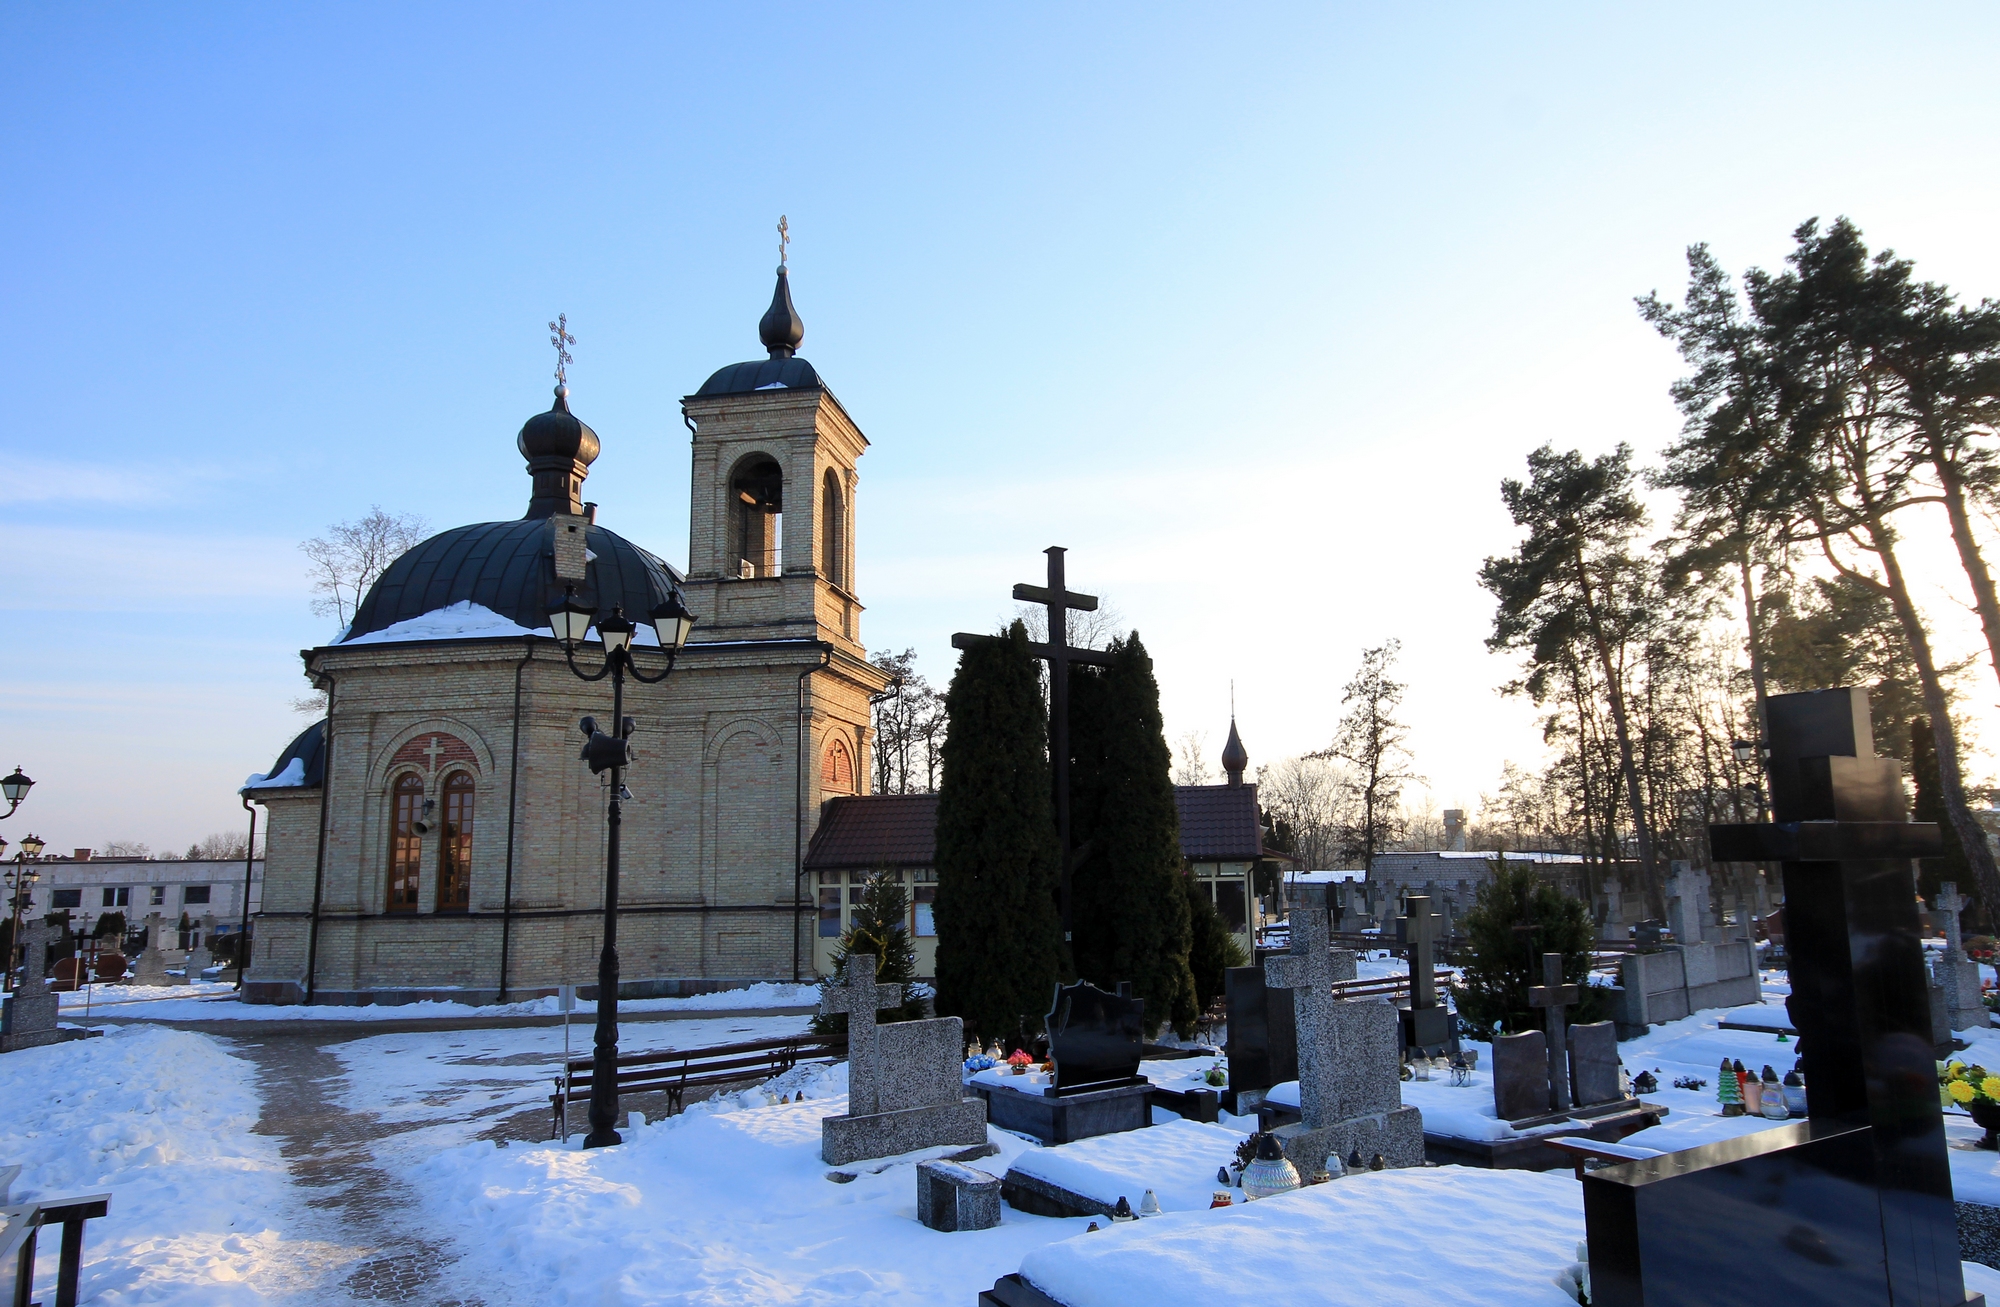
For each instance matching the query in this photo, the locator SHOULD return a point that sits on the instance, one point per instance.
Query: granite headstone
(1520, 1075)
(1095, 1039)
(1594, 1063)
(904, 1091)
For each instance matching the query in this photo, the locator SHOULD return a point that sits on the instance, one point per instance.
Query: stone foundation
(1397, 1135)
(845, 1139)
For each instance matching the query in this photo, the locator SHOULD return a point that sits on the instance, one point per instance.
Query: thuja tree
(1212, 948)
(1131, 917)
(881, 927)
(1519, 917)
(999, 938)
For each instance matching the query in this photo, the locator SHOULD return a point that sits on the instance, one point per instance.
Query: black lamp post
(21, 879)
(14, 788)
(571, 621)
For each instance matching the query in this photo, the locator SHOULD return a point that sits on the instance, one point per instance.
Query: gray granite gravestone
(1687, 903)
(1593, 1063)
(151, 966)
(202, 956)
(1957, 973)
(903, 1085)
(29, 1016)
(1350, 1089)
(1520, 1075)
(1614, 910)
(1552, 996)
(951, 1197)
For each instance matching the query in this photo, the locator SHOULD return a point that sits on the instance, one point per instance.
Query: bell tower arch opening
(756, 516)
(833, 531)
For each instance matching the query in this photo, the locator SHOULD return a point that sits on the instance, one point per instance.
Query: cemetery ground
(393, 1160)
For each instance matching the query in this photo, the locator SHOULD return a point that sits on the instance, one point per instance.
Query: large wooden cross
(1058, 653)
(860, 998)
(1552, 996)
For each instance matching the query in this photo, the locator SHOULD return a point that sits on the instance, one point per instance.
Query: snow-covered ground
(729, 1203)
(216, 1001)
(203, 1213)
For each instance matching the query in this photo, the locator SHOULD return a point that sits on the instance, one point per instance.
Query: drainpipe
(799, 808)
(249, 856)
(513, 772)
(319, 859)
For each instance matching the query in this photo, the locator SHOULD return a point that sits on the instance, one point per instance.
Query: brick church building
(436, 836)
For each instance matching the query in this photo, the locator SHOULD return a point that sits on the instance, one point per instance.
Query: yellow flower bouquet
(1975, 1091)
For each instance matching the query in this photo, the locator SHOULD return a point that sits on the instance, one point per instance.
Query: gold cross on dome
(784, 239)
(559, 337)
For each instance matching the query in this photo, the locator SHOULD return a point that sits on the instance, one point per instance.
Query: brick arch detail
(459, 744)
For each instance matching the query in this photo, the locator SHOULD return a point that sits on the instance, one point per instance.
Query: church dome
(509, 568)
(780, 330)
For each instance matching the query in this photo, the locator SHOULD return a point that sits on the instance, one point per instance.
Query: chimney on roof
(83, 855)
(1454, 830)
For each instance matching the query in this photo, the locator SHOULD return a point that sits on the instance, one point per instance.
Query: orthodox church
(436, 834)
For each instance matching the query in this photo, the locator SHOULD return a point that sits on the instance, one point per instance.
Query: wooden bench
(18, 1239)
(676, 1071)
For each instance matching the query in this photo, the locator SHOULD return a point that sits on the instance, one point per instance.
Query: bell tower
(771, 540)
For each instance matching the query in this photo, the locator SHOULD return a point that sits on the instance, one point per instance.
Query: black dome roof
(761, 374)
(310, 751)
(509, 567)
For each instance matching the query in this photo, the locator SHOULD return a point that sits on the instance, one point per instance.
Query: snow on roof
(291, 777)
(1323, 877)
(460, 621)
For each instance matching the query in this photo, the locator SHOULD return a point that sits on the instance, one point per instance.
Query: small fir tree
(1519, 917)
(999, 938)
(1131, 915)
(881, 927)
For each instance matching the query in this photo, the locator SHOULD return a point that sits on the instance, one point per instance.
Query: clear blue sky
(1251, 310)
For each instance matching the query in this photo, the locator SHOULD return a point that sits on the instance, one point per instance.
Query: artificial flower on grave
(1960, 1085)
(1019, 1057)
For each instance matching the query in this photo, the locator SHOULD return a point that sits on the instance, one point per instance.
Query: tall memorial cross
(1950, 903)
(1422, 929)
(860, 998)
(1687, 904)
(1552, 996)
(1308, 971)
(1058, 653)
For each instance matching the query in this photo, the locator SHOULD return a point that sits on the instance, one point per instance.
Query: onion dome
(1234, 756)
(559, 448)
(781, 329)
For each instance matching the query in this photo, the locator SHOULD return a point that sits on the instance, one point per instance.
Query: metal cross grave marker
(1058, 653)
(1552, 996)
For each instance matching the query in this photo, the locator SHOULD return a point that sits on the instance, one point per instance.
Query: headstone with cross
(1957, 973)
(1614, 910)
(903, 1085)
(1426, 1023)
(1687, 903)
(1058, 653)
(1854, 1204)
(1552, 996)
(1350, 1093)
(150, 968)
(28, 1016)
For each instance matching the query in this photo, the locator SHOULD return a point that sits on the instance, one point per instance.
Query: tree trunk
(1983, 595)
(1615, 693)
(1951, 783)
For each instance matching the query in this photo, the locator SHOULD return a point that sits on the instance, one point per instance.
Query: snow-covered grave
(1177, 1160)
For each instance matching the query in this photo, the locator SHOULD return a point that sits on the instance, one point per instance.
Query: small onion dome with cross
(507, 567)
(780, 331)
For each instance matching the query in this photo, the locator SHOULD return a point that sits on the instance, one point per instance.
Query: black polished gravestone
(1852, 1206)
(1096, 1041)
(1263, 1045)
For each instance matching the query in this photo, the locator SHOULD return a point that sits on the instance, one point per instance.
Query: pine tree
(1131, 917)
(1506, 962)
(999, 936)
(881, 927)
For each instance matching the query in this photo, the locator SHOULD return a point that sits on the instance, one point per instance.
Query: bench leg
(24, 1272)
(72, 1263)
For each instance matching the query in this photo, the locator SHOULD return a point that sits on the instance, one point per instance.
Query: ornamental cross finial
(784, 239)
(559, 337)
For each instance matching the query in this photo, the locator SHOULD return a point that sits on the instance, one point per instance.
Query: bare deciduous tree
(223, 846)
(347, 559)
(1190, 763)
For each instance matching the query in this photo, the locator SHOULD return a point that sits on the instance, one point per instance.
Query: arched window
(405, 844)
(836, 767)
(756, 511)
(455, 849)
(833, 531)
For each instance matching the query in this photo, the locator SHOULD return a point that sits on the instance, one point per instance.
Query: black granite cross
(1552, 996)
(1058, 653)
